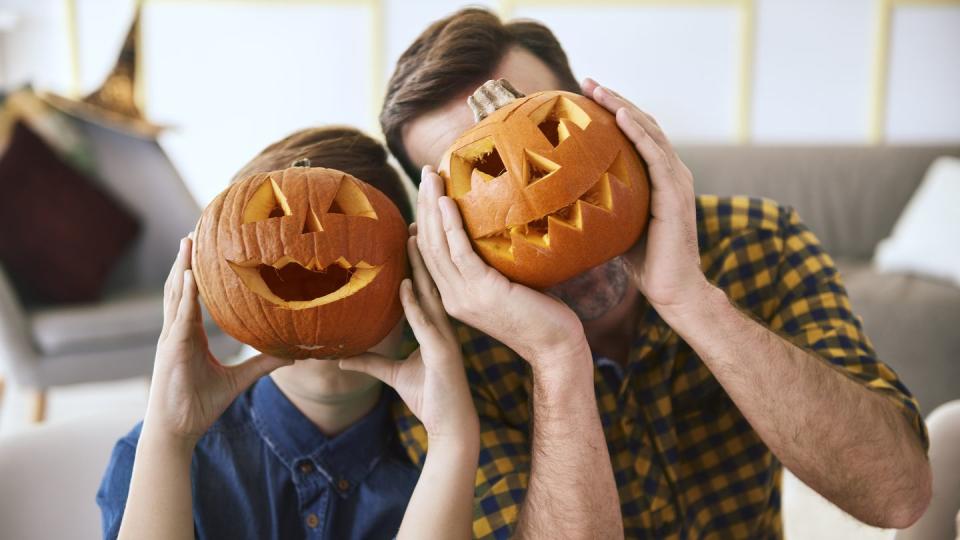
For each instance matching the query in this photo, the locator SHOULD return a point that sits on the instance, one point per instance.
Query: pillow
(926, 237)
(60, 234)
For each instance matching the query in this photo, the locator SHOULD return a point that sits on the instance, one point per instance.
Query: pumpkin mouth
(537, 231)
(291, 285)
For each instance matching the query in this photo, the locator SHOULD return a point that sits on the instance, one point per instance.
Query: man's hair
(456, 54)
(339, 147)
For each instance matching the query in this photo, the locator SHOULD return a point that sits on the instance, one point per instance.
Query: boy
(310, 450)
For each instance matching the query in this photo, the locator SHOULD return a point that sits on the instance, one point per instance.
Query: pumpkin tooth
(499, 245)
(618, 169)
(537, 168)
(599, 195)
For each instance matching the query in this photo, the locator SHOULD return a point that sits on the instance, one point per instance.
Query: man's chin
(595, 292)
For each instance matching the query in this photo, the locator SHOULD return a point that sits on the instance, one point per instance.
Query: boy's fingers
(257, 366)
(423, 328)
(183, 324)
(189, 297)
(171, 290)
(188, 252)
(426, 290)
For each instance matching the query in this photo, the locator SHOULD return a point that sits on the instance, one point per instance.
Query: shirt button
(306, 467)
(343, 484)
(312, 520)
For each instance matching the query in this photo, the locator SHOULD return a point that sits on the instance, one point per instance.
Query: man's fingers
(588, 86)
(412, 229)
(661, 168)
(430, 235)
(379, 367)
(468, 263)
(613, 102)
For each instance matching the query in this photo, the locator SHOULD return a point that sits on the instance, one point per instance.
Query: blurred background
(849, 111)
(230, 77)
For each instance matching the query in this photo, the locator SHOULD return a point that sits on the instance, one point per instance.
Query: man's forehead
(427, 136)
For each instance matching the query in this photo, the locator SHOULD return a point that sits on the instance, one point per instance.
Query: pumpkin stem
(301, 162)
(492, 96)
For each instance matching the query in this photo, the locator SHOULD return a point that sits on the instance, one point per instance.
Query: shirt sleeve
(112, 495)
(814, 312)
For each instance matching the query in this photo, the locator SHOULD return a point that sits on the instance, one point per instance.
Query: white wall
(232, 76)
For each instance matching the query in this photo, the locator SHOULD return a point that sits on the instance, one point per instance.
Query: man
(718, 348)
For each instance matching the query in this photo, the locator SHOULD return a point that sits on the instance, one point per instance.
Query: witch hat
(113, 105)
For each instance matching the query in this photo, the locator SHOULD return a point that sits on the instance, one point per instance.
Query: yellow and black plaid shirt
(686, 461)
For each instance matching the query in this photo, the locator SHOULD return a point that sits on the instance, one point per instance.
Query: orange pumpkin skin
(302, 263)
(571, 192)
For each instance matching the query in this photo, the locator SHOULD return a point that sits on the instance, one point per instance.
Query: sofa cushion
(912, 322)
(62, 234)
(115, 323)
(924, 240)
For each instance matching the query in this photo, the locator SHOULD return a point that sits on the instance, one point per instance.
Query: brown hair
(338, 147)
(456, 54)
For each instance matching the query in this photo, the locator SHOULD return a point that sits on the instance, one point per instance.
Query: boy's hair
(338, 147)
(456, 54)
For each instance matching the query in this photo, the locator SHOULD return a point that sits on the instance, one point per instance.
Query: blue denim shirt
(263, 470)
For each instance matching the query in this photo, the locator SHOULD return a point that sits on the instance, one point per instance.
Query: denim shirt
(263, 470)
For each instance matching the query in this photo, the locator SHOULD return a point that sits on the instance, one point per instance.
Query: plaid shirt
(686, 461)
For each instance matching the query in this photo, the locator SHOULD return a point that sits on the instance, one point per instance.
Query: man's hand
(571, 484)
(541, 329)
(852, 445)
(665, 265)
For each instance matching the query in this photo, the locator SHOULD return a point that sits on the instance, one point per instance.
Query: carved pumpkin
(302, 263)
(547, 184)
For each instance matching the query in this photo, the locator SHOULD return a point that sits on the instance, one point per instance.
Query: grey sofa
(851, 197)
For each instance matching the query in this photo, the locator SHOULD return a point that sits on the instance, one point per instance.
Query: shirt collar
(349, 456)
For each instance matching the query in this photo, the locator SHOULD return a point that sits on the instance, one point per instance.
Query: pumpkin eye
(555, 118)
(480, 158)
(350, 200)
(266, 202)
(490, 163)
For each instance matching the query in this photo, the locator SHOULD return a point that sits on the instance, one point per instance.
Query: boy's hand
(431, 381)
(190, 387)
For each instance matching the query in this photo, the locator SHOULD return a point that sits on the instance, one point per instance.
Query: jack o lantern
(302, 263)
(547, 184)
